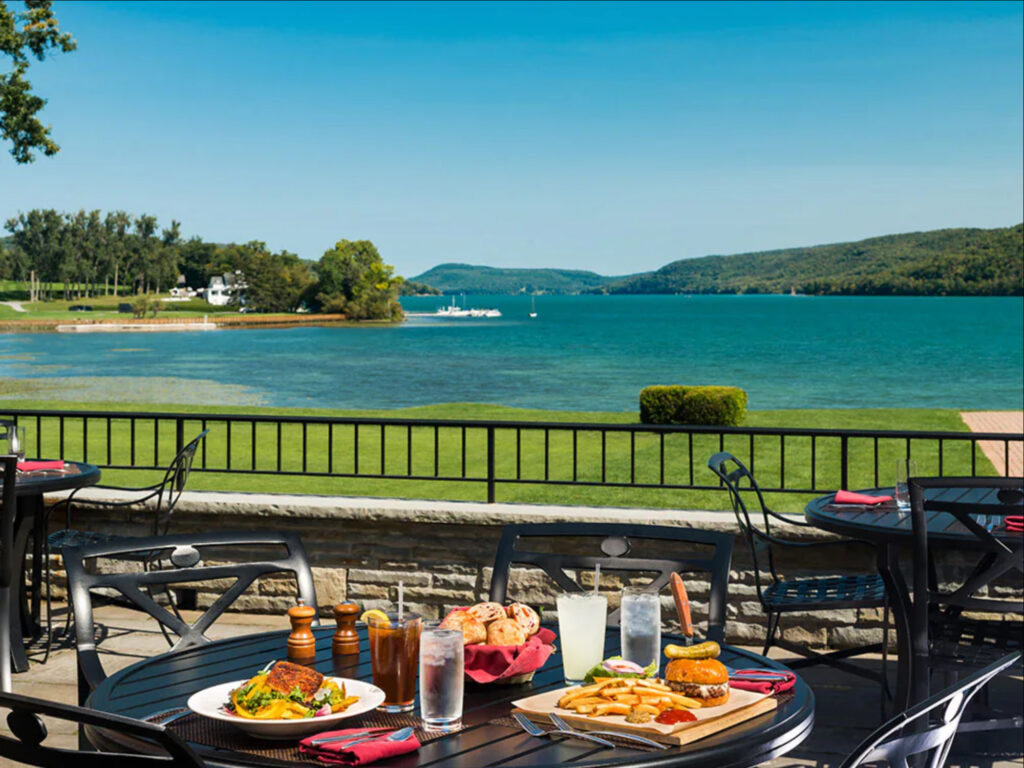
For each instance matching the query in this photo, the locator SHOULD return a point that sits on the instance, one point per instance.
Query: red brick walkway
(999, 421)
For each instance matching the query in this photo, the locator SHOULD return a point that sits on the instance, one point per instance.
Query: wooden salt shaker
(346, 638)
(301, 643)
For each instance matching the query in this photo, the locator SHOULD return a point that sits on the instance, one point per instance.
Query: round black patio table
(30, 489)
(167, 681)
(890, 528)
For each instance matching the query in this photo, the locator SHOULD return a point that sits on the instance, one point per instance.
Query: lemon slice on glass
(375, 613)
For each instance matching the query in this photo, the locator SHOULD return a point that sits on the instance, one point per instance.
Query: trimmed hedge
(676, 404)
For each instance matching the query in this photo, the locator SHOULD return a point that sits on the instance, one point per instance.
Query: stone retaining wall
(360, 549)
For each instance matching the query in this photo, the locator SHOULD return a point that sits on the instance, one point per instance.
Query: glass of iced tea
(395, 657)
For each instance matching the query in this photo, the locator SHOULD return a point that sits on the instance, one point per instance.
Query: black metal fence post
(844, 462)
(490, 465)
(179, 435)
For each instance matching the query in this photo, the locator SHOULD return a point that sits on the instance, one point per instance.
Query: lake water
(582, 352)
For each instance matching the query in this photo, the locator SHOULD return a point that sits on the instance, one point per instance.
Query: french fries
(623, 696)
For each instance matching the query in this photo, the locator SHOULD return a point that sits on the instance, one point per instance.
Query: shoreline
(220, 322)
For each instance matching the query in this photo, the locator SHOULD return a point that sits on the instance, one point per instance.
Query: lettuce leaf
(599, 671)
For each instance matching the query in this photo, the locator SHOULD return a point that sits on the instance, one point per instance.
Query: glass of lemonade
(441, 678)
(394, 656)
(640, 626)
(581, 625)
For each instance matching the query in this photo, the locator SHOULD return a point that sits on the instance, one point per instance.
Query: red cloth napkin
(30, 466)
(336, 753)
(783, 683)
(1014, 523)
(487, 663)
(848, 497)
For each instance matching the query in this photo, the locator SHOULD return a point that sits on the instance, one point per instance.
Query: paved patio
(847, 706)
(999, 421)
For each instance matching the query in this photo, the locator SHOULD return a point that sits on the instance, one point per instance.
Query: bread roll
(485, 612)
(505, 632)
(473, 631)
(525, 617)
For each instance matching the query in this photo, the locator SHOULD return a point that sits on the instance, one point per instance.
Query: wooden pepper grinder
(346, 639)
(301, 643)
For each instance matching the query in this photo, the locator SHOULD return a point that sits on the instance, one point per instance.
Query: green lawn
(104, 307)
(645, 468)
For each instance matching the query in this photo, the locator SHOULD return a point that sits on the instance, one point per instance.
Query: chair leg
(773, 625)
(886, 695)
(49, 600)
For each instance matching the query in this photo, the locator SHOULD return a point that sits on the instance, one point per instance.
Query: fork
(171, 719)
(564, 726)
(535, 730)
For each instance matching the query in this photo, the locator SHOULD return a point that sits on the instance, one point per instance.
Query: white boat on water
(533, 306)
(455, 312)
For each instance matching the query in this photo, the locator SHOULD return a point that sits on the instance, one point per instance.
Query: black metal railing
(494, 453)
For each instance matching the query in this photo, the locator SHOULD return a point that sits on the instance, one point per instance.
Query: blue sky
(596, 136)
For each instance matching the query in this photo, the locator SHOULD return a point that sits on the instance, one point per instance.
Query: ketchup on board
(673, 716)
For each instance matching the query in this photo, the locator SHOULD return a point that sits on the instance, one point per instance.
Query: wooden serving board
(742, 706)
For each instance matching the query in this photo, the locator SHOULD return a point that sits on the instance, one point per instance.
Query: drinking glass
(581, 624)
(16, 442)
(441, 678)
(905, 468)
(394, 654)
(640, 626)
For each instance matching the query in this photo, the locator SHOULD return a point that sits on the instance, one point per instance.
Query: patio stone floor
(847, 706)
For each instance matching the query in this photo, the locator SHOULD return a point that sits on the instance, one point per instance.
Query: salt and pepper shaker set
(302, 643)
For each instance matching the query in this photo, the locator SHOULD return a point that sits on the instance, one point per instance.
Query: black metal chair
(927, 729)
(166, 494)
(612, 544)
(182, 556)
(27, 745)
(945, 637)
(821, 593)
(8, 575)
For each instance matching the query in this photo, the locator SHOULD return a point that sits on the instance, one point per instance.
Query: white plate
(210, 703)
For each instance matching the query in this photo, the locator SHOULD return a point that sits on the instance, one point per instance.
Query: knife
(682, 606)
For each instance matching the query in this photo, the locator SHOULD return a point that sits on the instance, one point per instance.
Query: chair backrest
(928, 508)
(174, 482)
(180, 563)
(928, 728)
(610, 544)
(29, 734)
(8, 512)
(7, 566)
(732, 473)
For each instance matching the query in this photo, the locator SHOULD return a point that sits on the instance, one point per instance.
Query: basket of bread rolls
(504, 644)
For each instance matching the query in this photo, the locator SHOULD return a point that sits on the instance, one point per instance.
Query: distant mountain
(469, 278)
(967, 262)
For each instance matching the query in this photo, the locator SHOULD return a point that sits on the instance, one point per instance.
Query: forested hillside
(964, 262)
(467, 278)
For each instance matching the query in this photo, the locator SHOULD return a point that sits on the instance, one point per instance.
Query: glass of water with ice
(441, 678)
(640, 626)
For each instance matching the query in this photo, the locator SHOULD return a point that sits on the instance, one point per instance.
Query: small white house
(225, 289)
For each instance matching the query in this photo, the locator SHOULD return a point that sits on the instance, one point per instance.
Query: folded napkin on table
(30, 466)
(1014, 523)
(783, 681)
(337, 753)
(848, 497)
(487, 663)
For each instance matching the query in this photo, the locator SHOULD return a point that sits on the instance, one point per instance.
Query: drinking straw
(597, 577)
(401, 600)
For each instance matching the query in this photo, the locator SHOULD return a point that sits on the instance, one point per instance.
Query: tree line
(945, 262)
(88, 253)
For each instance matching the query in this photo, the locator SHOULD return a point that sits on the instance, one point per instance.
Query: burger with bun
(706, 680)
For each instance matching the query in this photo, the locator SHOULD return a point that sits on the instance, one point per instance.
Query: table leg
(899, 600)
(38, 537)
(19, 661)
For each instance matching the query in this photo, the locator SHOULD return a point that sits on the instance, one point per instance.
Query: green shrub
(676, 404)
(661, 404)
